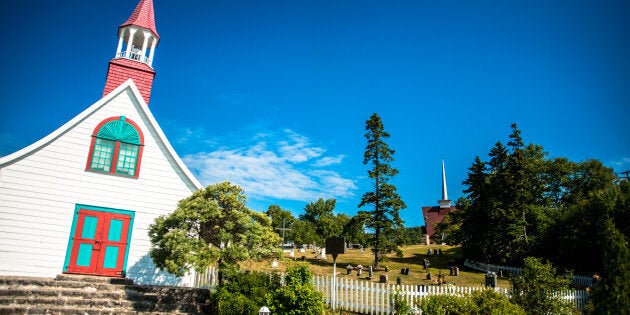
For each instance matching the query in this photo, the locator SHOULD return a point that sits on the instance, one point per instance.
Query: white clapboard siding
(41, 185)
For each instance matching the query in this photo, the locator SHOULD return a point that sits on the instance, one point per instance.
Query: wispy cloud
(621, 164)
(284, 165)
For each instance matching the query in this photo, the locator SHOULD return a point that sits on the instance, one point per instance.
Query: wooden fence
(366, 297)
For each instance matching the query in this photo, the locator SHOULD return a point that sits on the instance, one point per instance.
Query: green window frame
(116, 148)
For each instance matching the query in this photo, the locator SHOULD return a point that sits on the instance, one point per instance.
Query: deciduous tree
(213, 226)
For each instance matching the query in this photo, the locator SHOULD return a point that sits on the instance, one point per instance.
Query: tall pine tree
(384, 218)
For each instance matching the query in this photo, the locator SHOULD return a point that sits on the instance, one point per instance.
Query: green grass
(412, 258)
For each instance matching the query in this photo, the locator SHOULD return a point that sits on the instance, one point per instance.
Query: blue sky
(274, 95)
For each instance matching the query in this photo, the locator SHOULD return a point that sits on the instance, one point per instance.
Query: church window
(116, 147)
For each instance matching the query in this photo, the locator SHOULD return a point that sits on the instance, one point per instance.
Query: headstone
(456, 271)
(383, 279)
(274, 264)
(491, 279)
(349, 269)
(398, 281)
(406, 271)
(429, 277)
(371, 270)
(322, 254)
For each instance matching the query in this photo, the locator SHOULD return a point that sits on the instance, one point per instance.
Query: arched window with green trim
(116, 147)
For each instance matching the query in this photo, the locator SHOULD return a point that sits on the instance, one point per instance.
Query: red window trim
(112, 169)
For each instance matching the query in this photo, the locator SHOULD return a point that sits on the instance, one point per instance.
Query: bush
(535, 289)
(489, 302)
(225, 302)
(243, 293)
(483, 302)
(446, 305)
(298, 297)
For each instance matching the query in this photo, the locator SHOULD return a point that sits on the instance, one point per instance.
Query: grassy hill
(413, 257)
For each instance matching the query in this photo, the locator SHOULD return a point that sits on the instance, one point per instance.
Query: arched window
(116, 147)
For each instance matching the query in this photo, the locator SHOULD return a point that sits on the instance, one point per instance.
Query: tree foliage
(320, 214)
(386, 203)
(611, 294)
(282, 219)
(213, 226)
(536, 289)
(519, 201)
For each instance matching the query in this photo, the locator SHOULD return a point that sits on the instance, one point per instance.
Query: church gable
(41, 185)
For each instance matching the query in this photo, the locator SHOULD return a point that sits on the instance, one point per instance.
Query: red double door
(99, 243)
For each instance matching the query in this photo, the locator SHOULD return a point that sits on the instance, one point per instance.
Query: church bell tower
(137, 40)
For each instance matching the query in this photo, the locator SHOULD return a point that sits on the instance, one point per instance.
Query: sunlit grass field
(413, 257)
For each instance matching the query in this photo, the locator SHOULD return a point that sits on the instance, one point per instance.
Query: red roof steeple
(137, 40)
(143, 16)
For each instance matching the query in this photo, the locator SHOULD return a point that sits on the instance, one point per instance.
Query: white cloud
(274, 166)
(621, 165)
(329, 160)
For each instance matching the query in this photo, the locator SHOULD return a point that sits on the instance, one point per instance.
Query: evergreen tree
(611, 295)
(386, 203)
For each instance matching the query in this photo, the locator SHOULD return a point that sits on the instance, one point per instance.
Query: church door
(98, 243)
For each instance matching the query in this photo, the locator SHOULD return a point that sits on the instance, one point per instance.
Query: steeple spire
(444, 202)
(143, 17)
(137, 40)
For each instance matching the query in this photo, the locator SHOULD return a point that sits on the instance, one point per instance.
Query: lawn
(413, 257)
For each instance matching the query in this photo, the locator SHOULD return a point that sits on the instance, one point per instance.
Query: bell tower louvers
(137, 40)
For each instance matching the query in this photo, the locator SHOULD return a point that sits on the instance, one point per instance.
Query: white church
(80, 200)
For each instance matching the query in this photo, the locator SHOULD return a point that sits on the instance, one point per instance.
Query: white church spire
(444, 202)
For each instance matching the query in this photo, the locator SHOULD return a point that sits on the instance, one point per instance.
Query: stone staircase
(76, 294)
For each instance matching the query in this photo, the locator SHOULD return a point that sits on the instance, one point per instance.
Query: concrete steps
(77, 294)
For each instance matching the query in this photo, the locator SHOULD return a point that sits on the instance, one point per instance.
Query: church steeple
(137, 40)
(444, 202)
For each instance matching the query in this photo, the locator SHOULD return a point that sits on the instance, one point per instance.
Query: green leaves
(213, 226)
(386, 202)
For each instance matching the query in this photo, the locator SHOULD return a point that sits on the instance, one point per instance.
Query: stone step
(96, 295)
(66, 301)
(61, 291)
(37, 310)
(93, 279)
(49, 282)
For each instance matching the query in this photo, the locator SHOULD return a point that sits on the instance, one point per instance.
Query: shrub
(446, 305)
(489, 302)
(298, 297)
(243, 293)
(535, 289)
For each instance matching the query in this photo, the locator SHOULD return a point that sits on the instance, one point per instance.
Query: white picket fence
(366, 297)
(584, 281)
